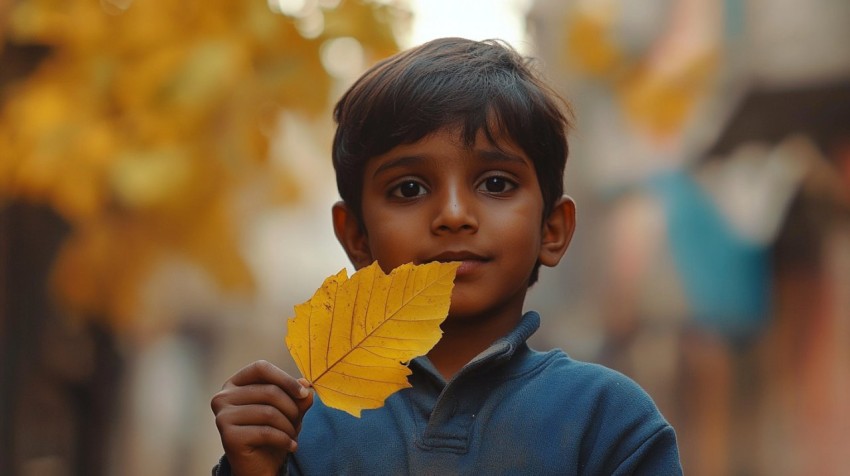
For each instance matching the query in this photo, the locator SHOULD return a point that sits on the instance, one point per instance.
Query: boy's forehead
(436, 148)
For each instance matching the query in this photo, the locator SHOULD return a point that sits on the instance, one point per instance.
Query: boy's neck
(463, 339)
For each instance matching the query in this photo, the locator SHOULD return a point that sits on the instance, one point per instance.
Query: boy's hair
(473, 85)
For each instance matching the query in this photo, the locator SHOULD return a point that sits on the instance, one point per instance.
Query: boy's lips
(469, 261)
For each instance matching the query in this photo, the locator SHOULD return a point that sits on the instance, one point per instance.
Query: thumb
(304, 403)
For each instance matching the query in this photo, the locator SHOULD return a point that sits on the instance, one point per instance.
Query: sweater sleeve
(223, 468)
(657, 456)
(626, 434)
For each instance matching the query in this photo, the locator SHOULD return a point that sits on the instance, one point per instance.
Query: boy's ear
(351, 235)
(558, 231)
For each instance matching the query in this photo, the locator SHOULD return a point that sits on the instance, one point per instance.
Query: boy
(454, 151)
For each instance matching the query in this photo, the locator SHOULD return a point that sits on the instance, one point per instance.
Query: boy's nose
(455, 212)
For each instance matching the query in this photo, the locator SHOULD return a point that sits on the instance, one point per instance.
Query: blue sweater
(511, 410)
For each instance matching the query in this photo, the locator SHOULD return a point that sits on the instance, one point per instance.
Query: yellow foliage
(145, 122)
(659, 90)
(589, 47)
(662, 103)
(353, 337)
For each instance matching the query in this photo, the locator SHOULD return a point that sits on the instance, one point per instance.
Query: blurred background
(165, 187)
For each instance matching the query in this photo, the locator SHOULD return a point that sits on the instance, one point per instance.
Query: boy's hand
(258, 414)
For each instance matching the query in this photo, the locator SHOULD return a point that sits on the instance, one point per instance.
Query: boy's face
(439, 200)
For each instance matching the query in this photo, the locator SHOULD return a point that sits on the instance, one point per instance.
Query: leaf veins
(351, 340)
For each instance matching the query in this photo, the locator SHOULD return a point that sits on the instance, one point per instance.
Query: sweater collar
(499, 351)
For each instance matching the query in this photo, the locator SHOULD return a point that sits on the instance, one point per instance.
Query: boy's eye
(497, 184)
(408, 189)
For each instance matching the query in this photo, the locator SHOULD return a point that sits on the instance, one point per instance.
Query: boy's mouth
(469, 261)
(448, 256)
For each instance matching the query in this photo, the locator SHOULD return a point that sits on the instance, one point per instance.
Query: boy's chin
(466, 314)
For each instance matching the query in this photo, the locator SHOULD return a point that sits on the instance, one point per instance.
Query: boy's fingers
(263, 371)
(266, 394)
(256, 436)
(258, 416)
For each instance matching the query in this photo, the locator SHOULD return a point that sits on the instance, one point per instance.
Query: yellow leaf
(353, 338)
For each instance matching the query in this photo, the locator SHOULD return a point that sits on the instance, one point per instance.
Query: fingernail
(293, 445)
(303, 392)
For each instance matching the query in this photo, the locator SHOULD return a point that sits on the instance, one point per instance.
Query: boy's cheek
(389, 250)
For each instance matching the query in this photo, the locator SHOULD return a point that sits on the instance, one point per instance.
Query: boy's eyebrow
(490, 155)
(398, 162)
(498, 155)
